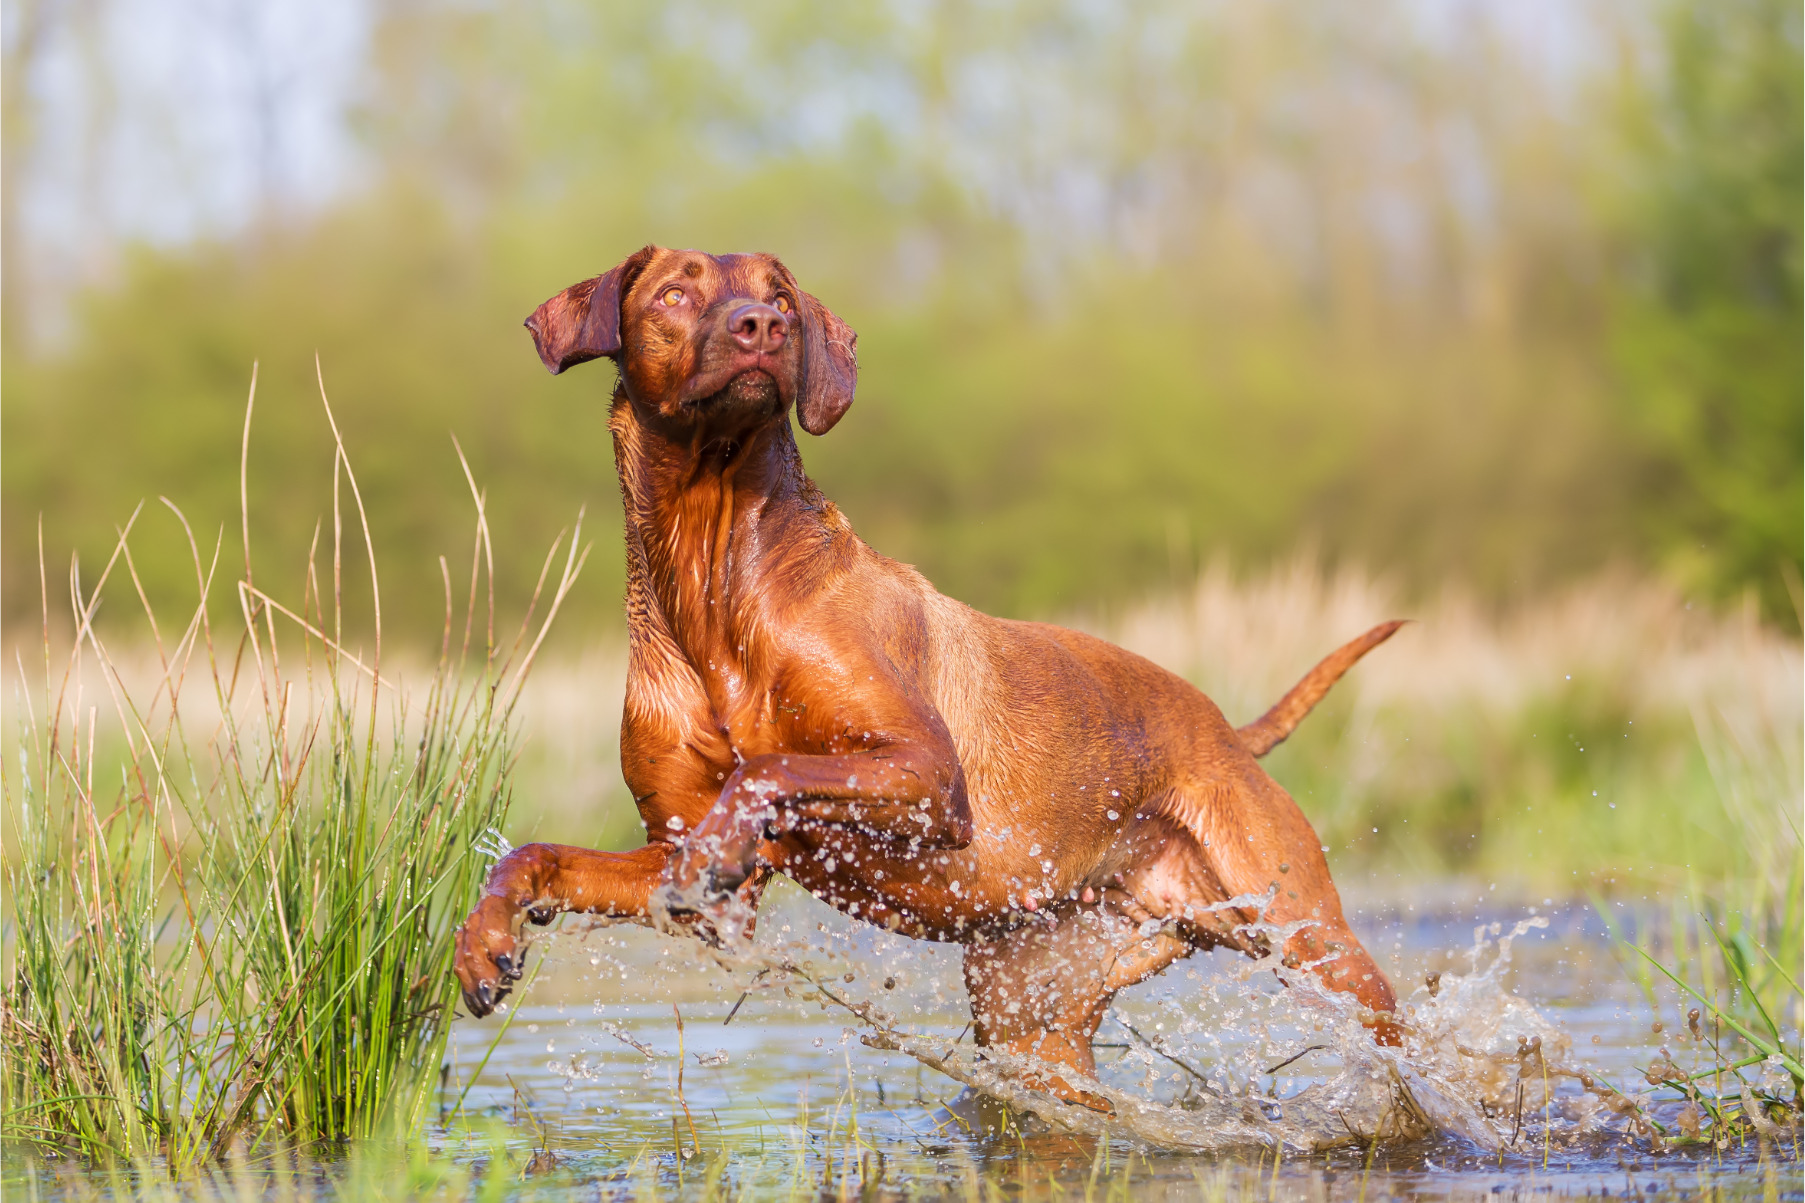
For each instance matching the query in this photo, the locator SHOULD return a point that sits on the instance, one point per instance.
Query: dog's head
(706, 339)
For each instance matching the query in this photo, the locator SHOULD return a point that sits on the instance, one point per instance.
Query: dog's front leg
(537, 882)
(907, 793)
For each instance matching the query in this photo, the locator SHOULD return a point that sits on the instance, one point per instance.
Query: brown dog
(798, 703)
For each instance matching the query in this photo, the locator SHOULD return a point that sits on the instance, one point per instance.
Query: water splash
(492, 844)
(1479, 1064)
(1449, 1078)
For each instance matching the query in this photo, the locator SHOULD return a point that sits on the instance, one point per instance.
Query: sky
(172, 120)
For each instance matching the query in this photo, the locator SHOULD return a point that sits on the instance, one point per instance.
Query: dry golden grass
(1487, 731)
(1473, 740)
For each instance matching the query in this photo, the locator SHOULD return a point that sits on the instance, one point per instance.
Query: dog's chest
(684, 735)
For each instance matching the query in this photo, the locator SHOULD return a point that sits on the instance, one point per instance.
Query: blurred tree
(1136, 286)
(1709, 341)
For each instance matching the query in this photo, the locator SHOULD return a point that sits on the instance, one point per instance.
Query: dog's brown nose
(758, 327)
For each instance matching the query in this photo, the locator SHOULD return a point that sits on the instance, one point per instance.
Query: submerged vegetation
(230, 903)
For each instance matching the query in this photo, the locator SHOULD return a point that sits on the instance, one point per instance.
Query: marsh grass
(1725, 967)
(1727, 954)
(1744, 1079)
(231, 900)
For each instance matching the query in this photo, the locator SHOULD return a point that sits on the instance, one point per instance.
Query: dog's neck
(719, 526)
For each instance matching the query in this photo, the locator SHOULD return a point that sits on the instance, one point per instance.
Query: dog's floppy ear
(830, 367)
(583, 322)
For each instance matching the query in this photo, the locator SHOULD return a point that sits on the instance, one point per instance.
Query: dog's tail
(1270, 729)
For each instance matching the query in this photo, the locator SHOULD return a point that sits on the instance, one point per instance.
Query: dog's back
(1063, 737)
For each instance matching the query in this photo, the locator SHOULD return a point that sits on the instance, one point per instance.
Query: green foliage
(213, 940)
(1708, 342)
(1125, 305)
(1477, 792)
(1732, 968)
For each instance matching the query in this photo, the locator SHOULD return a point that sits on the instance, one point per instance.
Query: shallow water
(596, 1089)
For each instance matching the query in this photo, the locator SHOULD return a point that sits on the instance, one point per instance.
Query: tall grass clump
(1730, 957)
(235, 866)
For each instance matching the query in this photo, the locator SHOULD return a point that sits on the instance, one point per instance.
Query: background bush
(1478, 300)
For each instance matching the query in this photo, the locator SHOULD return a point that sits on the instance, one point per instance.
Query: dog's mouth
(753, 380)
(758, 379)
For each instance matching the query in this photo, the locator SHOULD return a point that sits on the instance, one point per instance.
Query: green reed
(233, 877)
(1729, 955)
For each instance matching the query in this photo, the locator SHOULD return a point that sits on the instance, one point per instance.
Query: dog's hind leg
(1041, 990)
(1246, 836)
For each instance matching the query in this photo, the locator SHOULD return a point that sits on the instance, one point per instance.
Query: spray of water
(1478, 1062)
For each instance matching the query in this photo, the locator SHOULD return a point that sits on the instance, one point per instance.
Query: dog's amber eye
(783, 303)
(672, 296)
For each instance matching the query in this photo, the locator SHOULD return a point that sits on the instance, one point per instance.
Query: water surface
(615, 1076)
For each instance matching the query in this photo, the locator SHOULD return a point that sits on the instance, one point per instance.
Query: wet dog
(797, 703)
